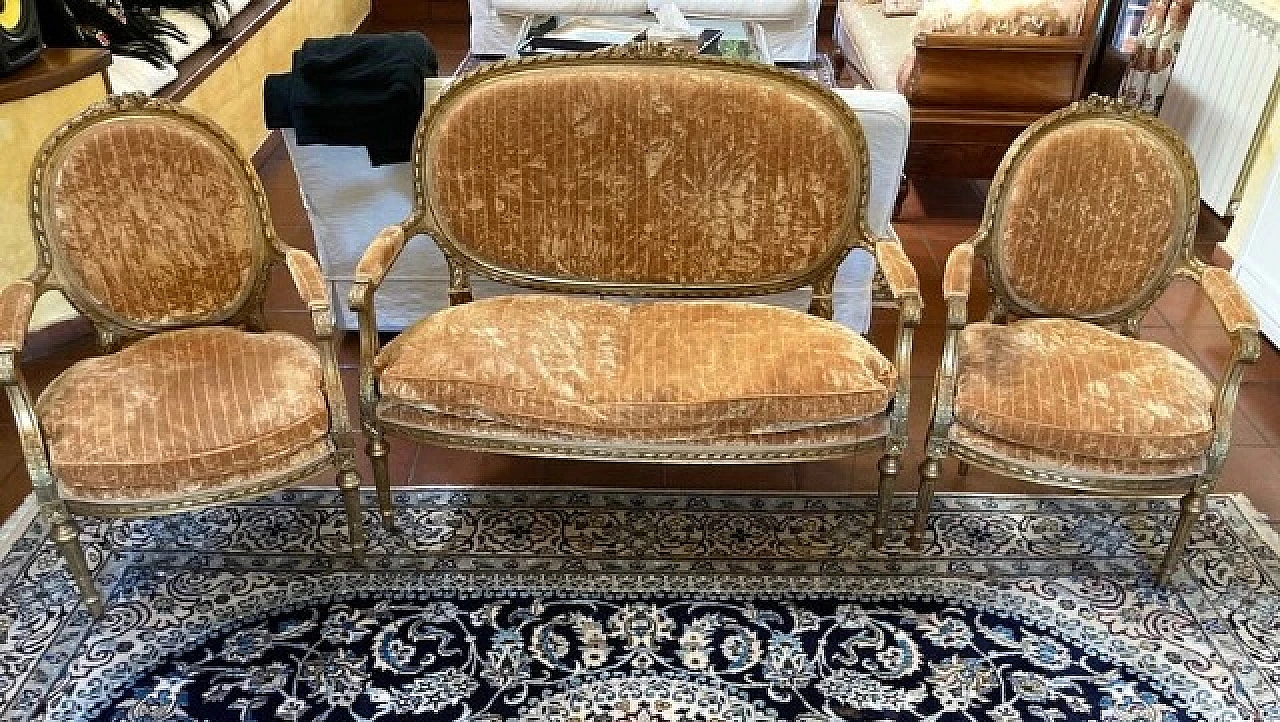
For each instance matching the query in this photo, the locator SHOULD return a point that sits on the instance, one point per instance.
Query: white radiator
(1222, 87)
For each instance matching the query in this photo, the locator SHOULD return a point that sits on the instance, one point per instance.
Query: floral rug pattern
(515, 605)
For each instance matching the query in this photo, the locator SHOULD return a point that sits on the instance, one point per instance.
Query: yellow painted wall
(24, 125)
(231, 95)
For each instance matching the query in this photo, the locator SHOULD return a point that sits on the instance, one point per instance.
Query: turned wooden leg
(1192, 507)
(378, 449)
(889, 467)
(349, 483)
(929, 472)
(67, 537)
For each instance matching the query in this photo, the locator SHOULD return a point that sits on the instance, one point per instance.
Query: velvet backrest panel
(670, 174)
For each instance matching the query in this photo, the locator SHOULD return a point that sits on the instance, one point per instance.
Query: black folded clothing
(364, 90)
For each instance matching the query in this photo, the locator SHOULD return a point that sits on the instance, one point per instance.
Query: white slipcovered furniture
(790, 26)
(349, 201)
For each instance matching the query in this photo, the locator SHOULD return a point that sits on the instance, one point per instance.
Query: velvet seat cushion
(1069, 387)
(659, 371)
(185, 412)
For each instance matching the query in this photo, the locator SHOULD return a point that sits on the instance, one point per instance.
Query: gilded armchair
(692, 194)
(152, 224)
(1092, 213)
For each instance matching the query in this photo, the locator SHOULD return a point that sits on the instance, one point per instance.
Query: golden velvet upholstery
(654, 371)
(958, 275)
(636, 174)
(16, 302)
(899, 274)
(1068, 386)
(1091, 217)
(381, 253)
(1233, 308)
(154, 221)
(306, 276)
(183, 412)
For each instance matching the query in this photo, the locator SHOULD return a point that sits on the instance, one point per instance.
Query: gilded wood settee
(148, 219)
(647, 173)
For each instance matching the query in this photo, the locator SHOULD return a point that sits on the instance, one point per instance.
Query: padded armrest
(957, 281)
(957, 277)
(16, 302)
(899, 273)
(1233, 308)
(307, 278)
(381, 253)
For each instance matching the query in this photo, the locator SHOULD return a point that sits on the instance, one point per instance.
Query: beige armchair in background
(153, 225)
(1091, 214)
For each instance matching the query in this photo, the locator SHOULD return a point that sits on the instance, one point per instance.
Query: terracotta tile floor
(936, 217)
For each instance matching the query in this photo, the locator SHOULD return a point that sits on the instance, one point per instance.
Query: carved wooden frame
(820, 275)
(115, 330)
(1179, 260)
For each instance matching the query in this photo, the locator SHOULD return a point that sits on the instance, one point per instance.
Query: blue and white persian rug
(514, 605)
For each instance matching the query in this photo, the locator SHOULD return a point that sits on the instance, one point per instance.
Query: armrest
(307, 279)
(16, 302)
(314, 291)
(904, 284)
(957, 280)
(1241, 322)
(898, 271)
(1228, 300)
(380, 255)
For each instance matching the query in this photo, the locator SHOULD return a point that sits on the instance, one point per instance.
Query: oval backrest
(149, 215)
(1090, 212)
(646, 170)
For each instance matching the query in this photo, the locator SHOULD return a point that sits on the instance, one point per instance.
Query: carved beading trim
(1105, 483)
(628, 450)
(139, 508)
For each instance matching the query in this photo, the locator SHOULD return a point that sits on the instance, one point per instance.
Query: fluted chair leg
(889, 467)
(929, 472)
(1192, 507)
(67, 537)
(349, 483)
(378, 449)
